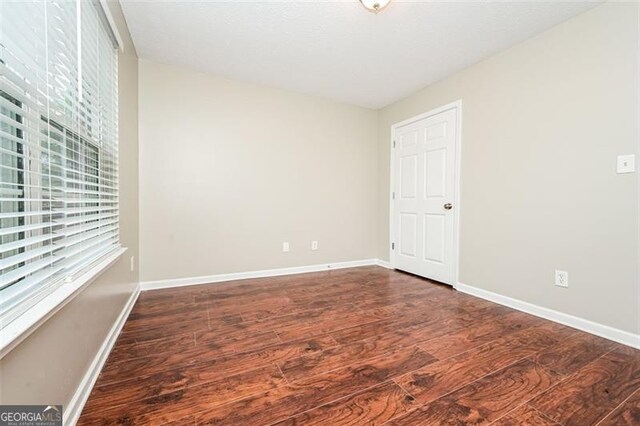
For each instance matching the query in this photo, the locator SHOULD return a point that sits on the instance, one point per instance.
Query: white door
(424, 195)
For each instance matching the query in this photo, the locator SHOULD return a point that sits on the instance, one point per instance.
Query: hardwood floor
(361, 346)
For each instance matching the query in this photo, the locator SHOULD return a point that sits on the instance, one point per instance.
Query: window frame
(42, 304)
(20, 328)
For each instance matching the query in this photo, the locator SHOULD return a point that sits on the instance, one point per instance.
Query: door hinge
(393, 195)
(393, 246)
(394, 144)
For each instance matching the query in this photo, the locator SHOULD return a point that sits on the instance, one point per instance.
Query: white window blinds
(58, 147)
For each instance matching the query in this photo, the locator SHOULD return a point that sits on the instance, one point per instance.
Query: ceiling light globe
(375, 5)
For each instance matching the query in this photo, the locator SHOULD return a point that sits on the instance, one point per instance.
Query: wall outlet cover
(562, 278)
(314, 245)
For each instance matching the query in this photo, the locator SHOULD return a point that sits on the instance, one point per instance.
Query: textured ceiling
(336, 49)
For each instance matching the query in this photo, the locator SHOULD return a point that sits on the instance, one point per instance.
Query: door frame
(457, 105)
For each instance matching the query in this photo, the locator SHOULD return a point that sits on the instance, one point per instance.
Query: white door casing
(424, 194)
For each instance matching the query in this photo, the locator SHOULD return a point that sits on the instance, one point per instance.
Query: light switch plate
(626, 163)
(285, 247)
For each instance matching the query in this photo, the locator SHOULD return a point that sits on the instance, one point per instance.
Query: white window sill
(20, 328)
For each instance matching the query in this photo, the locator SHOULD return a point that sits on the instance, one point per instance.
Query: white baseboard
(74, 408)
(383, 263)
(601, 330)
(181, 282)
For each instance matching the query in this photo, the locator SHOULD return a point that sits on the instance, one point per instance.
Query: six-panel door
(424, 164)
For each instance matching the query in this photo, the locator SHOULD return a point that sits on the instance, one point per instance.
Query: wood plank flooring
(361, 346)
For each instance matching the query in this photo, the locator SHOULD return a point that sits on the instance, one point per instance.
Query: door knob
(448, 206)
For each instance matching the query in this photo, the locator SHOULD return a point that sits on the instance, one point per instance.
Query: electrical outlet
(285, 247)
(132, 262)
(314, 245)
(562, 278)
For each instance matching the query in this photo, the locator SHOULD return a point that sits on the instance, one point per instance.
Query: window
(58, 147)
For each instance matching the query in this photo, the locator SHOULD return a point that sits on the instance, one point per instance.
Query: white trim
(208, 279)
(18, 329)
(457, 105)
(601, 330)
(383, 263)
(81, 395)
(112, 24)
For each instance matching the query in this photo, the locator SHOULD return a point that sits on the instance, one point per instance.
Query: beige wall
(542, 125)
(231, 170)
(48, 366)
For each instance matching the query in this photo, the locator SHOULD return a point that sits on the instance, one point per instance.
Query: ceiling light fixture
(375, 6)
